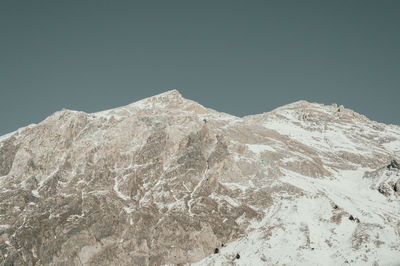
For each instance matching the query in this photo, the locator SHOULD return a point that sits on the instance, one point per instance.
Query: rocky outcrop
(7, 153)
(394, 165)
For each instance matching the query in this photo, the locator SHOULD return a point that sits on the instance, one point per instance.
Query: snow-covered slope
(168, 181)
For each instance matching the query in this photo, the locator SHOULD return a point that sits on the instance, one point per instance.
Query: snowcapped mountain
(167, 181)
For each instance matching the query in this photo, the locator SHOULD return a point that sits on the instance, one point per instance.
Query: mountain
(167, 181)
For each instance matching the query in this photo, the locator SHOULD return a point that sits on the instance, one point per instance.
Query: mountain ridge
(167, 181)
(177, 97)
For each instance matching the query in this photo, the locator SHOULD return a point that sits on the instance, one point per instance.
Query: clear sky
(239, 57)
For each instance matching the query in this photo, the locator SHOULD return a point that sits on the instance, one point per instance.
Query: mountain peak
(166, 99)
(171, 96)
(171, 93)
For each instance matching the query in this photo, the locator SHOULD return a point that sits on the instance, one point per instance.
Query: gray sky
(239, 57)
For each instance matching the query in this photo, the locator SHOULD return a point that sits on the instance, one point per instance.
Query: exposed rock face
(386, 180)
(7, 154)
(394, 165)
(167, 181)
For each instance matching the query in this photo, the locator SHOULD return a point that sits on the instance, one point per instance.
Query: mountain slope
(167, 181)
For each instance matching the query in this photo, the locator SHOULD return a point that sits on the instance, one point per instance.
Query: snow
(300, 229)
(204, 177)
(229, 200)
(393, 146)
(350, 191)
(259, 148)
(129, 210)
(235, 186)
(143, 104)
(35, 193)
(119, 193)
(323, 140)
(187, 189)
(6, 136)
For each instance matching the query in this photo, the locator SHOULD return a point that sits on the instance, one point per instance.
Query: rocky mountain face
(168, 181)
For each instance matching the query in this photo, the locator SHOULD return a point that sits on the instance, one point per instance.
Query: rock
(396, 187)
(237, 256)
(7, 154)
(352, 218)
(384, 189)
(394, 165)
(216, 251)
